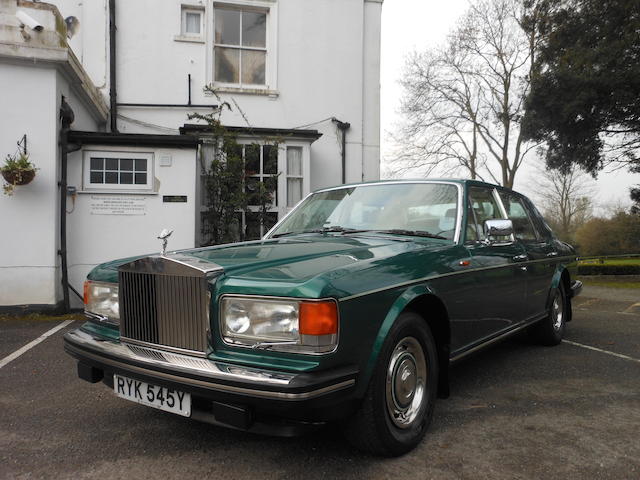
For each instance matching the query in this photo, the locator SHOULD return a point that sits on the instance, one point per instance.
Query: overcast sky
(421, 24)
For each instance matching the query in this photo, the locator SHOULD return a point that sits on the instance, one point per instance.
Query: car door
(540, 253)
(499, 295)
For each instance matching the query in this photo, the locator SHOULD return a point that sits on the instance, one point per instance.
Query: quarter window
(240, 46)
(121, 170)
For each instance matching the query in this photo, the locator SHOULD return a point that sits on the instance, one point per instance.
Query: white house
(304, 71)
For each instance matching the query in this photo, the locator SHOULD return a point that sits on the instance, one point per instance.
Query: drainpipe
(67, 117)
(343, 127)
(113, 93)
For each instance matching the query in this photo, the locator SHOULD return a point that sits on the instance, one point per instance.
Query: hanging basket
(18, 176)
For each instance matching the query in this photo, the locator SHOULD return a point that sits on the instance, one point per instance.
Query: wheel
(398, 405)
(551, 330)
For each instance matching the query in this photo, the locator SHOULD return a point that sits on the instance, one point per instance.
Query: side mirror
(498, 228)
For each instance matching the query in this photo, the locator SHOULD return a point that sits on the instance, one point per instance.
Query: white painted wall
(328, 65)
(30, 95)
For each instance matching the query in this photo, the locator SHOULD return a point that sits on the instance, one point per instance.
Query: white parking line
(589, 347)
(32, 344)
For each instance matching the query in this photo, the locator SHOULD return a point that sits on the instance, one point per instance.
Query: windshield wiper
(330, 229)
(413, 233)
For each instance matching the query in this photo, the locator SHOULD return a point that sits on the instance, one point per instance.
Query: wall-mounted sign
(118, 205)
(174, 198)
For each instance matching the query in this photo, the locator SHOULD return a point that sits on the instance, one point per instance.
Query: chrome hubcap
(406, 380)
(557, 312)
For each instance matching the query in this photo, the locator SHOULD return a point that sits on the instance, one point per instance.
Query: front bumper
(271, 401)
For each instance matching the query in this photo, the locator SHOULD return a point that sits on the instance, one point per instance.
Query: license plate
(152, 395)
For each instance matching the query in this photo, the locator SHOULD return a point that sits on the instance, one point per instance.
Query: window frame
(88, 186)
(281, 208)
(270, 8)
(184, 10)
(525, 207)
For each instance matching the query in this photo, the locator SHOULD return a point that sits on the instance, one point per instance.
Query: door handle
(520, 258)
(552, 254)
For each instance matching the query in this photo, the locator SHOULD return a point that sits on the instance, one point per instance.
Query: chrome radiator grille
(165, 310)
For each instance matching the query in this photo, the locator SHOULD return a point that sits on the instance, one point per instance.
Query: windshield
(423, 209)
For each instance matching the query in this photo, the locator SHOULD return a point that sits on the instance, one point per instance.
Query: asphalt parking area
(516, 411)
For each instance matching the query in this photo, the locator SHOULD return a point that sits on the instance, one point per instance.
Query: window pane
(252, 226)
(252, 189)
(271, 218)
(227, 26)
(253, 67)
(252, 159)
(254, 29)
(294, 161)
(294, 191)
(111, 177)
(192, 23)
(96, 177)
(97, 164)
(227, 65)
(126, 178)
(270, 159)
(141, 178)
(141, 165)
(111, 164)
(126, 164)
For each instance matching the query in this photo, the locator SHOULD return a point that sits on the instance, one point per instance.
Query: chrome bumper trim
(118, 355)
(576, 288)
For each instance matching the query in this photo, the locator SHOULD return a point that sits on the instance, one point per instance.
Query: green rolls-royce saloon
(350, 310)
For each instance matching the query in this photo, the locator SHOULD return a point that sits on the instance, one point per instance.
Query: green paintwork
(374, 277)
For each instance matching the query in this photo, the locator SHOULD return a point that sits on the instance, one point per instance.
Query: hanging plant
(17, 170)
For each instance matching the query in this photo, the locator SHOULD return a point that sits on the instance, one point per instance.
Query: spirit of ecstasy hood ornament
(164, 235)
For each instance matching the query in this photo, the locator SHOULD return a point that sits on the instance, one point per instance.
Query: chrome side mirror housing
(497, 228)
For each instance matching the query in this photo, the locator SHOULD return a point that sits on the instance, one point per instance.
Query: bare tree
(565, 197)
(463, 103)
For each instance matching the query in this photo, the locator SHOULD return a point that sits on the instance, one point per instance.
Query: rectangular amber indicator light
(86, 292)
(318, 318)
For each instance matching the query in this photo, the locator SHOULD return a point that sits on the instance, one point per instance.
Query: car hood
(293, 265)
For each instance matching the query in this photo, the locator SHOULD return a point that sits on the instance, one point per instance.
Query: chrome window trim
(459, 186)
(267, 297)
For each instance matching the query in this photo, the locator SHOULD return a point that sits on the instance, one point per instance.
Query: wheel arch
(423, 301)
(561, 277)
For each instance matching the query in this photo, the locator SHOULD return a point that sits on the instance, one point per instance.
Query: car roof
(460, 181)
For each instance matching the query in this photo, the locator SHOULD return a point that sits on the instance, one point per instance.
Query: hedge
(608, 269)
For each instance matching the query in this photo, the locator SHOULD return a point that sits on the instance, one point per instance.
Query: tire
(550, 330)
(398, 405)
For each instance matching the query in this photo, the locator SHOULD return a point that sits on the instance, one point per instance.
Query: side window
(543, 229)
(522, 226)
(484, 207)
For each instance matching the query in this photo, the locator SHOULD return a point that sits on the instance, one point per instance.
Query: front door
(498, 300)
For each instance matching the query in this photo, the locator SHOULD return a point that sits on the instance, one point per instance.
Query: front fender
(408, 296)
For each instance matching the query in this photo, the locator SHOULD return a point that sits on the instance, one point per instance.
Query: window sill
(246, 91)
(180, 38)
(117, 192)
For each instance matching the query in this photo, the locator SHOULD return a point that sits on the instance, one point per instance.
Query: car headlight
(101, 301)
(303, 326)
